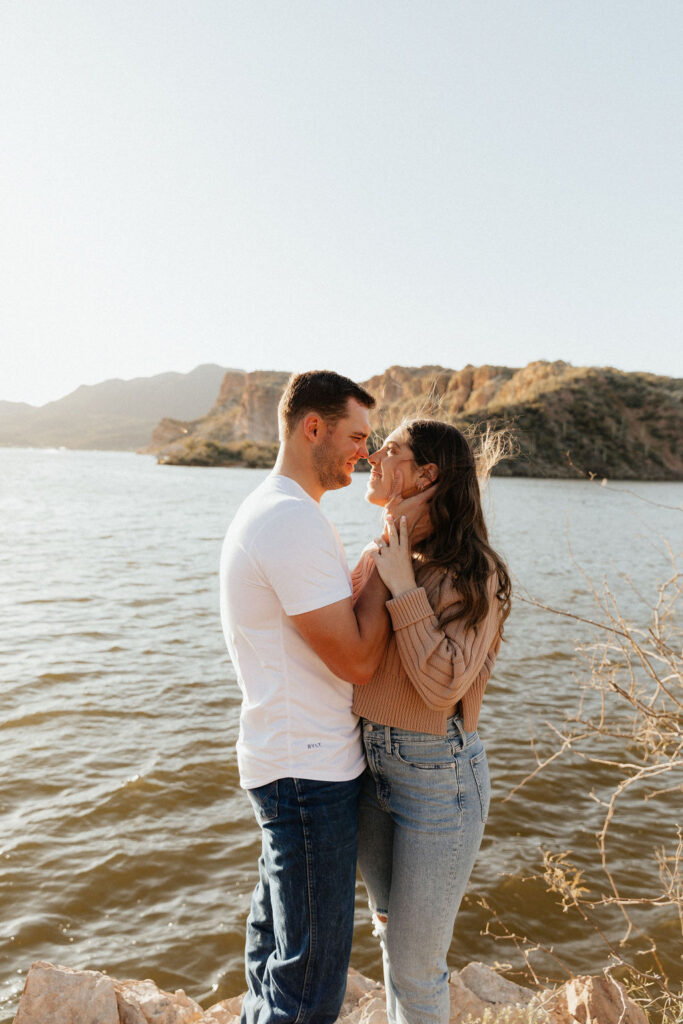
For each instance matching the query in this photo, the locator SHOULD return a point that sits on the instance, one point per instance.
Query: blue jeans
(423, 807)
(300, 926)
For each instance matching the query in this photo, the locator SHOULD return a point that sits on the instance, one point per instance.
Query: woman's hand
(392, 557)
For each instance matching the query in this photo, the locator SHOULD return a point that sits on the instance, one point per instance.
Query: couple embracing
(402, 647)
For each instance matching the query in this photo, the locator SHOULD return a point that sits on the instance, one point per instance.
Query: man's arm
(350, 640)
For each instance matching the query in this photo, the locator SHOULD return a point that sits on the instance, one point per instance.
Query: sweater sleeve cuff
(413, 606)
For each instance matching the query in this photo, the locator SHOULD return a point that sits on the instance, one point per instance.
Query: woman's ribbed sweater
(427, 669)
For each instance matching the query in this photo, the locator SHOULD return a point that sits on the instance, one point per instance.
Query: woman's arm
(441, 662)
(361, 574)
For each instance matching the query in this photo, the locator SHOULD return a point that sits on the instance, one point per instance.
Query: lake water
(125, 842)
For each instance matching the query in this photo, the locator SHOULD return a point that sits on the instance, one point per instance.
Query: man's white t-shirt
(282, 556)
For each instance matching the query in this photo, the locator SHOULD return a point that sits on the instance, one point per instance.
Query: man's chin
(335, 483)
(346, 474)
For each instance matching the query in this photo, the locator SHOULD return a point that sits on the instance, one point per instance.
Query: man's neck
(292, 465)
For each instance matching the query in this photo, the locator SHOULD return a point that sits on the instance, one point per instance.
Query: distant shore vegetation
(200, 452)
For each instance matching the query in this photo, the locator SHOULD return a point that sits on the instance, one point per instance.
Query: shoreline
(62, 995)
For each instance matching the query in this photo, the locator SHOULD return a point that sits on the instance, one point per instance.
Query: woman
(426, 791)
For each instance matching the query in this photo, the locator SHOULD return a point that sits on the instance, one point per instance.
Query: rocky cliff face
(567, 420)
(245, 411)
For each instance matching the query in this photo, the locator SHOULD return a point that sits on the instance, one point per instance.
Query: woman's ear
(428, 475)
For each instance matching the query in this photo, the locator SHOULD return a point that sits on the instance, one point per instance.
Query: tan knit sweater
(427, 669)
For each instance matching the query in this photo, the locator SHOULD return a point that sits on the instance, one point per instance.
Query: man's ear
(311, 425)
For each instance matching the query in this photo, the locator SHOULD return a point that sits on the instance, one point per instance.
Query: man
(297, 646)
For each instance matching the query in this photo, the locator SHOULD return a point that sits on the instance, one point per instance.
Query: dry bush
(627, 730)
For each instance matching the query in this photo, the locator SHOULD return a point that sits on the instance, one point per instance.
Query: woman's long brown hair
(459, 542)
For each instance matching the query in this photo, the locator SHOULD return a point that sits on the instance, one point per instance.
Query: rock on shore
(61, 995)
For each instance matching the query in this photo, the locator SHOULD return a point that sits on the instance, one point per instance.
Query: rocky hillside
(567, 420)
(239, 430)
(115, 414)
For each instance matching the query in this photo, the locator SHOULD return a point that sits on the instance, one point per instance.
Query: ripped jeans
(423, 806)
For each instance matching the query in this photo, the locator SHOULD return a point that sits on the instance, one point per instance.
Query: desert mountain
(116, 414)
(566, 419)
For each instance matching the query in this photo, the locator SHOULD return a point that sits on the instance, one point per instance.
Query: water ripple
(125, 841)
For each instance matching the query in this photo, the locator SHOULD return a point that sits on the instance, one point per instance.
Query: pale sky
(291, 184)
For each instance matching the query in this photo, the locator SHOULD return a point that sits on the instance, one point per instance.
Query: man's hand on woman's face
(415, 509)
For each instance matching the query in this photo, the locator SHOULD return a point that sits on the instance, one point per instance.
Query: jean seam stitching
(458, 777)
(305, 988)
(477, 782)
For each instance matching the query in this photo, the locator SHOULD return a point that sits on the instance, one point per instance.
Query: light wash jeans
(300, 925)
(423, 807)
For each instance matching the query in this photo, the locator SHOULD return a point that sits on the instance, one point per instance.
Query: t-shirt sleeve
(302, 559)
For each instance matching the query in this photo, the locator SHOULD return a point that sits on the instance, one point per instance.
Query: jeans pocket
(425, 756)
(264, 800)
(480, 770)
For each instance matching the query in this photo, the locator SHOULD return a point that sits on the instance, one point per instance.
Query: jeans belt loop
(463, 734)
(387, 738)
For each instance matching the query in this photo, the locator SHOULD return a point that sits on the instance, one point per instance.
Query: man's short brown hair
(321, 391)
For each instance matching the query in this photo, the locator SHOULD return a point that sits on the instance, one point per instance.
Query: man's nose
(363, 450)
